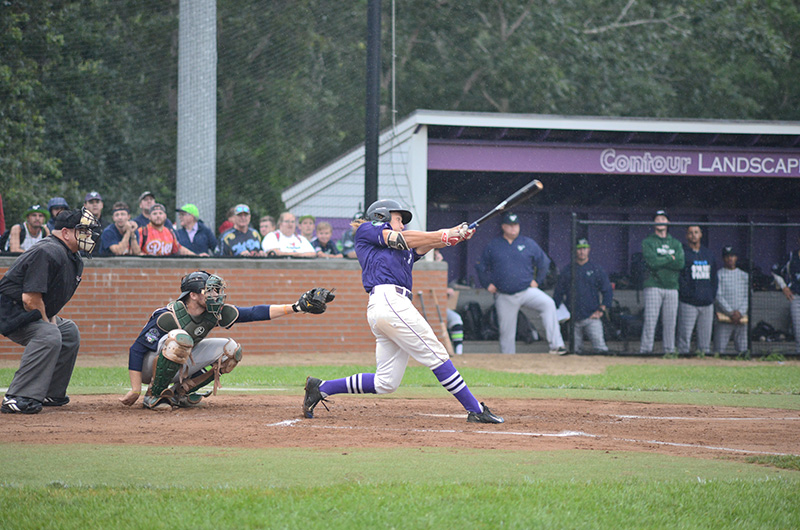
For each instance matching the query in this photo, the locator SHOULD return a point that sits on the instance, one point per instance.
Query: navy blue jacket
(697, 284)
(511, 267)
(204, 240)
(591, 280)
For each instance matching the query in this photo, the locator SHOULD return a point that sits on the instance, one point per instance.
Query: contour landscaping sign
(604, 160)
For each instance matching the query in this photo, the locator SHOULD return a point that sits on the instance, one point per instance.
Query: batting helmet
(381, 211)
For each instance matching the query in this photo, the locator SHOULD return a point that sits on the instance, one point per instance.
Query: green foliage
(88, 88)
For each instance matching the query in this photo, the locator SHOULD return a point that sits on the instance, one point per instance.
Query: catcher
(172, 348)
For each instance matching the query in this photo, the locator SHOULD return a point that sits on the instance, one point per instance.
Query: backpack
(638, 270)
(4, 237)
(472, 316)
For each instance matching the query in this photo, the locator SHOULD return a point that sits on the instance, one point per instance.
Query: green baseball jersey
(664, 258)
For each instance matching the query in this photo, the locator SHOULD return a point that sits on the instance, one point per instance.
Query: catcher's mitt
(314, 301)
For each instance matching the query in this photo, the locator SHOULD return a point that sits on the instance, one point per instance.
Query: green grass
(153, 487)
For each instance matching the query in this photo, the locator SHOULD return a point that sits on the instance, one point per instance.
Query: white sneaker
(559, 351)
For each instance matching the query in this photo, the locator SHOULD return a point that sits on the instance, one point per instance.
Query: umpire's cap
(381, 211)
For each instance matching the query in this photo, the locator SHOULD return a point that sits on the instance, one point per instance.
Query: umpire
(32, 292)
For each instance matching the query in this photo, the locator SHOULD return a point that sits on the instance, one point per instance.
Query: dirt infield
(235, 420)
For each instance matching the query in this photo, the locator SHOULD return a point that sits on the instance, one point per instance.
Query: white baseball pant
(665, 302)
(688, 315)
(508, 306)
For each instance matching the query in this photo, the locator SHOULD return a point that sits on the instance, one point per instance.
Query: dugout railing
(769, 323)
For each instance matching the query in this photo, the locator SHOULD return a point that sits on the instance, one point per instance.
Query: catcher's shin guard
(163, 373)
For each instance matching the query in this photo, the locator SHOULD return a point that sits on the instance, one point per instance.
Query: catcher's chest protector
(177, 317)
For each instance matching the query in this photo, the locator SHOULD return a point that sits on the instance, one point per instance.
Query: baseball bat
(448, 344)
(422, 304)
(518, 197)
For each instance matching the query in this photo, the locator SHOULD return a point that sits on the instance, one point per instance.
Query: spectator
(787, 277)
(119, 238)
(697, 289)
(732, 300)
(227, 224)
(193, 233)
(266, 225)
(322, 244)
(55, 206)
(512, 267)
(307, 224)
(93, 202)
(156, 239)
(346, 244)
(284, 241)
(32, 293)
(146, 202)
(24, 235)
(593, 296)
(663, 256)
(241, 240)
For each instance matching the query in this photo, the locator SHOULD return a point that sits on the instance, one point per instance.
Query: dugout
(453, 166)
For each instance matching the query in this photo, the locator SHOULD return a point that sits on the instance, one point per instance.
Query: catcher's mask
(381, 211)
(209, 285)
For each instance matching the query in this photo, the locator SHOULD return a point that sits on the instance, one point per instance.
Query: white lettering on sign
(752, 164)
(645, 163)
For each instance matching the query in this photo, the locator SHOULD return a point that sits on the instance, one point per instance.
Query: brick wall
(117, 295)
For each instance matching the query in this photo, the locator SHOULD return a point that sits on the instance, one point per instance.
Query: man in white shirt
(283, 242)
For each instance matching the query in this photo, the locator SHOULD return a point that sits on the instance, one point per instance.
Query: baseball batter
(387, 254)
(172, 348)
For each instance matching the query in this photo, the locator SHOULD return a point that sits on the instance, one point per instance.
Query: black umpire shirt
(48, 267)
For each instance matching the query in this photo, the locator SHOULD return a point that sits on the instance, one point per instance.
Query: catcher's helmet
(381, 211)
(194, 282)
(211, 285)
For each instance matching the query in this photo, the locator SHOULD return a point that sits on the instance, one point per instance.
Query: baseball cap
(158, 206)
(582, 243)
(36, 208)
(57, 202)
(145, 194)
(241, 208)
(91, 196)
(358, 215)
(302, 217)
(191, 209)
(728, 251)
(68, 219)
(510, 219)
(661, 212)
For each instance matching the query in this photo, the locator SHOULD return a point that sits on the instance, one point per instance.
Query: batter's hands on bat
(314, 301)
(130, 398)
(453, 236)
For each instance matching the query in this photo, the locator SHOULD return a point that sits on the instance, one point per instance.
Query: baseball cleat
(20, 405)
(559, 351)
(156, 403)
(313, 397)
(484, 417)
(186, 401)
(55, 401)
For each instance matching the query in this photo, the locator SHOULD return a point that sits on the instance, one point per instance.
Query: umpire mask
(87, 231)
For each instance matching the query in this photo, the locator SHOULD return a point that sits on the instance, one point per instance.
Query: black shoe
(484, 417)
(20, 405)
(312, 397)
(55, 401)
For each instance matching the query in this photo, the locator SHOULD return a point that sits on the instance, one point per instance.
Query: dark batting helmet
(381, 211)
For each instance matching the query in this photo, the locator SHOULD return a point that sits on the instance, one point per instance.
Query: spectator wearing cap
(322, 244)
(512, 267)
(307, 224)
(347, 244)
(664, 259)
(146, 202)
(55, 206)
(787, 278)
(697, 289)
(242, 239)
(32, 293)
(593, 296)
(266, 225)
(285, 242)
(23, 236)
(119, 238)
(193, 233)
(733, 292)
(156, 239)
(227, 224)
(93, 202)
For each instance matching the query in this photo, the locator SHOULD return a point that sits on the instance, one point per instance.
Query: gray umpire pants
(665, 302)
(688, 316)
(48, 360)
(794, 309)
(593, 328)
(723, 332)
(508, 306)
